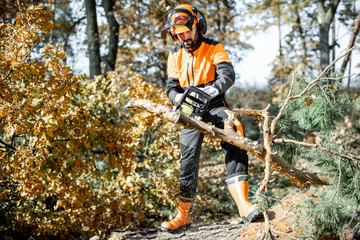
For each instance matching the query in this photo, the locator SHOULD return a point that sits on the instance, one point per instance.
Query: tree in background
(92, 33)
(110, 59)
(308, 36)
(326, 14)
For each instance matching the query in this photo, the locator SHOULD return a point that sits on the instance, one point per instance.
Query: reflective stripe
(240, 178)
(239, 127)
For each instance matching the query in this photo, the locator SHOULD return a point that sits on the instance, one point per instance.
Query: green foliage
(327, 218)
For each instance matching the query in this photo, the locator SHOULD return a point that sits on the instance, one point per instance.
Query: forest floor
(215, 232)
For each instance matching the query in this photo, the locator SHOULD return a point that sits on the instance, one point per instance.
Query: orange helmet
(182, 18)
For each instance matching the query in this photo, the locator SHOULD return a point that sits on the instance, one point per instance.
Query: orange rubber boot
(182, 219)
(239, 189)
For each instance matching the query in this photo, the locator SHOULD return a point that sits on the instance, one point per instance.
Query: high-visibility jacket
(207, 64)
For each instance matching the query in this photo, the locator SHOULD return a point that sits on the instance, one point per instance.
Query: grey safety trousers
(236, 159)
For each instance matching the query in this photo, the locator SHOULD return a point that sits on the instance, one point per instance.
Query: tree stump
(286, 220)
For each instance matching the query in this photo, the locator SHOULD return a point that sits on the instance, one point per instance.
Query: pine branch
(310, 145)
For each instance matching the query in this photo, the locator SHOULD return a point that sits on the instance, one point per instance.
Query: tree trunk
(351, 43)
(110, 59)
(93, 38)
(325, 17)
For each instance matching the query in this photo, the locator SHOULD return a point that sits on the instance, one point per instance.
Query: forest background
(75, 163)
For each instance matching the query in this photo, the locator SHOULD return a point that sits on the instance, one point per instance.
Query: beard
(190, 43)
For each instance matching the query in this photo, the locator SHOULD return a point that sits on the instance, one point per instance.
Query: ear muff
(201, 20)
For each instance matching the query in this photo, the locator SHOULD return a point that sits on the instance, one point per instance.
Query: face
(189, 38)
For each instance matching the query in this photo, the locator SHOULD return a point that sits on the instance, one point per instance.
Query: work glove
(177, 98)
(212, 91)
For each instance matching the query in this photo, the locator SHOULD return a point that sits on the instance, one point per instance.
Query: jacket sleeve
(224, 76)
(224, 71)
(173, 85)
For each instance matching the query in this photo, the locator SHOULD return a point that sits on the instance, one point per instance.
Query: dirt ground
(214, 232)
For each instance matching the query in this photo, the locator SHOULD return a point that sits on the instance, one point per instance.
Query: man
(202, 62)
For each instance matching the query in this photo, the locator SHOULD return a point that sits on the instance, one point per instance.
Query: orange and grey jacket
(207, 64)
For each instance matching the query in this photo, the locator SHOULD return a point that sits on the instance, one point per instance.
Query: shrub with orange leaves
(74, 162)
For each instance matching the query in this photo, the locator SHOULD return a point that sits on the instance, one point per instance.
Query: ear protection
(201, 21)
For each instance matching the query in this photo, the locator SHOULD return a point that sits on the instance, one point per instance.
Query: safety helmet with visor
(180, 19)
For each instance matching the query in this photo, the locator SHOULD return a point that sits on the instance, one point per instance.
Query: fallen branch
(300, 178)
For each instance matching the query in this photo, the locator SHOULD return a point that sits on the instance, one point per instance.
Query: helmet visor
(179, 20)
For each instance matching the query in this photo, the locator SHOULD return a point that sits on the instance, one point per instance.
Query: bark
(300, 178)
(325, 17)
(351, 43)
(93, 38)
(110, 59)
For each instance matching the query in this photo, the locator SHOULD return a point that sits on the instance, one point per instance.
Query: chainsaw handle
(200, 103)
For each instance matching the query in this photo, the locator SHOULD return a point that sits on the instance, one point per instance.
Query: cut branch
(300, 178)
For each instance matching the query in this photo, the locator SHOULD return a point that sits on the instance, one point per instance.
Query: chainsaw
(193, 103)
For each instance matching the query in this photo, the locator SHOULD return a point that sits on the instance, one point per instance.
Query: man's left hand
(212, 91)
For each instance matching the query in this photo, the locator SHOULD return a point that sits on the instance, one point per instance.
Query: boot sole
(254, 215)
(183, 227)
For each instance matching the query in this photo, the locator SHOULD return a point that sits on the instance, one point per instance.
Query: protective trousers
(236, 159)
